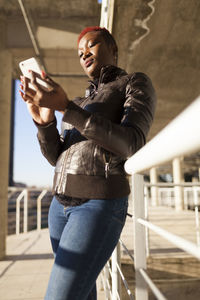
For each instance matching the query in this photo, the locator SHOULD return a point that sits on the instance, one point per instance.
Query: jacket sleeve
(129, 136)
(50, 141)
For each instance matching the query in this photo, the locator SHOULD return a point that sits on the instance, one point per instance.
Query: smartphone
(33, 65)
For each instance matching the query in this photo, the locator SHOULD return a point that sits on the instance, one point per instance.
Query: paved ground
(25, 271)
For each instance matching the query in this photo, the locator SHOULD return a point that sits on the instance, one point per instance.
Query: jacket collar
(107, 74)
(110, 73)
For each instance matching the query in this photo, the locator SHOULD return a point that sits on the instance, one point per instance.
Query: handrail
(174, 239)
(184, 141)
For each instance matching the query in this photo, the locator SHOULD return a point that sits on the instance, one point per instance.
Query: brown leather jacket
(101, 130)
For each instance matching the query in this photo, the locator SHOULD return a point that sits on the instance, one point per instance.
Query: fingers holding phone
(28, 93)
(41, 90)
(40, 115)
(54, 98)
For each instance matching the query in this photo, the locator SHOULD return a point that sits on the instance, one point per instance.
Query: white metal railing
(191, 189)
(24, 195)
(180, 137)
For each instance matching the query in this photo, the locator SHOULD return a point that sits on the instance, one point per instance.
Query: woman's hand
(41, 102)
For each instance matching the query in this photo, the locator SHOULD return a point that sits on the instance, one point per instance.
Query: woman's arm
(50, 141)
(41, 105)
(126, 138)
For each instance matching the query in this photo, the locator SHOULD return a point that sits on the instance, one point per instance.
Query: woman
(99, 132)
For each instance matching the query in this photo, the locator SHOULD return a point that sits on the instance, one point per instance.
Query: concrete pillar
(5, 100)
(154, 189)
(178, 178)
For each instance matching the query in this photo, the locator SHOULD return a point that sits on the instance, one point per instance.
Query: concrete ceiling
(160, 38)
(56, 25)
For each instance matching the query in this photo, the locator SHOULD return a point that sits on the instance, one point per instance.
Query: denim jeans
(83, 238)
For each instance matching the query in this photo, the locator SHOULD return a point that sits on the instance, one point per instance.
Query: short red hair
(89, 29)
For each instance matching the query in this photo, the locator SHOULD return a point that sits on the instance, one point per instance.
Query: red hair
(89, 29)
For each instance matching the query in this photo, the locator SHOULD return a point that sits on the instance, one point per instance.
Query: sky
(30, 166)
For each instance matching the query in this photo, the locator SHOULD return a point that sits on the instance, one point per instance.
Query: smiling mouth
(88, 63)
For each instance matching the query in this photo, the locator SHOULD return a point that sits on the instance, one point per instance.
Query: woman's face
(94, 53)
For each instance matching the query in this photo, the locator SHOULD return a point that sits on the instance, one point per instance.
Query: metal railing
(191, 192)
(180, 137)
(24, 195)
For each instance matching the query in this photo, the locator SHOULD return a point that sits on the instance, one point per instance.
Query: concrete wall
(5, 99)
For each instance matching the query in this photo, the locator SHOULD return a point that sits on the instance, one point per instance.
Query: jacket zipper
(107, 167)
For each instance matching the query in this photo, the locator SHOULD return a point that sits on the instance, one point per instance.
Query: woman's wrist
(43, 124)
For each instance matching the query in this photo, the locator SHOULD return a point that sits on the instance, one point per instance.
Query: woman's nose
(86, 54)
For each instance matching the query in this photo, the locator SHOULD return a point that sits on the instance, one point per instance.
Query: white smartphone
(33, 65)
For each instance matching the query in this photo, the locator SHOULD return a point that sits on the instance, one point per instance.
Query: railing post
(21, 195)
(141, 292)
(154, 189)
(116, 280)
(185, 197)
(146, 215)
(178, 190)
(26, 195)
(39, 214)
(196, 209)
(107, 276)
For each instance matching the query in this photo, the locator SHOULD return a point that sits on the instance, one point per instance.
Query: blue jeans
(83, 238)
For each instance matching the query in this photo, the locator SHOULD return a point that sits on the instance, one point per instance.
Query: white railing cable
(184, 141)
(152, 286)
(126, 250)
(125, 283)
(181, 243)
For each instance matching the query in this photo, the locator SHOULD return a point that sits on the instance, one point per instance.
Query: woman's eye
(92, 45)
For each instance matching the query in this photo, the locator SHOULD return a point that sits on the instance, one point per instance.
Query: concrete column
(178, 190)
(154, 189)
(5, 100)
